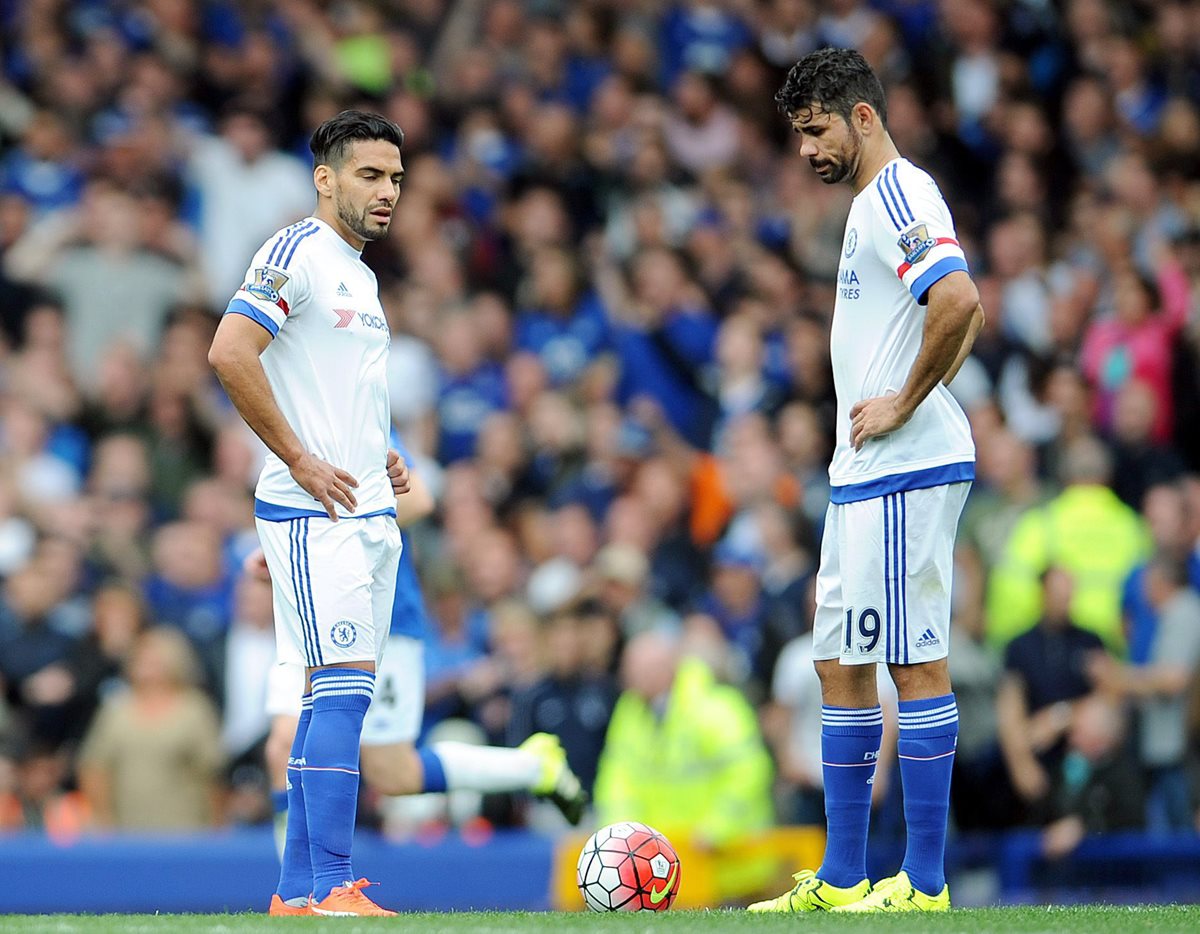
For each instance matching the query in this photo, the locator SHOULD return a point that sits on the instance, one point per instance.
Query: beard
(846, 162)
(362, 224)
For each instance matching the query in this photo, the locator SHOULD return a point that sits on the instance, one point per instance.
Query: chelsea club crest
(851, 242)
(343, 633)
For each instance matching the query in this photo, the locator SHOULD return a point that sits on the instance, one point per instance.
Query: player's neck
(330, 217)
(876, 153)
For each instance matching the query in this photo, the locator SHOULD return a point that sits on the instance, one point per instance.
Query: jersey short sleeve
(915, 232)
(276, 283)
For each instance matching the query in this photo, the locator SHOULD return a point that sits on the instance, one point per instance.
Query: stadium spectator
(1064, 533)
(684, 753)
(622, 574)
(245, 191)
(569, 700)
(1098, 787)
(151, 758)
(1160, 685)
(1169, 521)
(1045, 673)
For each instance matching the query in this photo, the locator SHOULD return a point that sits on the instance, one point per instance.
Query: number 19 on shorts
(862, 633)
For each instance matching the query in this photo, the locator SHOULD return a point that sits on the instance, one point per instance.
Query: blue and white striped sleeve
(916, 234)
(275, 283)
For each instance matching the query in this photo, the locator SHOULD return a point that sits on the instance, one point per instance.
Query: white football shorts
(883, 586)
(333, 584)
(397, 705)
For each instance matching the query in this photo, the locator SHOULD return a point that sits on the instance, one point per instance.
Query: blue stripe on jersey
(939, 270)
(239, 306)
(961, 472)
(887, 184)
(912, 218)
(295, 243)
(904, 569)
(273, 512)
(284, 239)
(884, 198)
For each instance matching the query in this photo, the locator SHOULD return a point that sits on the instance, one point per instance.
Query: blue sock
(850, 739)
(295, 871)
(341, 697)
(433, 773)
(928, 736)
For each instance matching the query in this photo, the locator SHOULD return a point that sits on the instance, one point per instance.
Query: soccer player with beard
(301, 351)
(905, 317)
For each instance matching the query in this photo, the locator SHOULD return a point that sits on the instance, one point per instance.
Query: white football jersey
(899, 241)
(327, 364)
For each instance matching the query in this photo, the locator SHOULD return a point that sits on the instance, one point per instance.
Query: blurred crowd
(609, 283)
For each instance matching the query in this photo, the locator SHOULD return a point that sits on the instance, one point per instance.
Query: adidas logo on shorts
(928, 637)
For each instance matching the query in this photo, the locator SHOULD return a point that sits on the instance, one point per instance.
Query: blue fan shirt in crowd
(700, 37)
(667, 366)
(45, 185)
(408, 607)
(565, 345)
(1140, 613)
(464, 403)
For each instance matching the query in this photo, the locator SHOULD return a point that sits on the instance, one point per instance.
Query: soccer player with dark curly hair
(905, 317)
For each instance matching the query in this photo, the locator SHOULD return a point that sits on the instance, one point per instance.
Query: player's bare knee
(392, 769)
(918, 682)
(847, 685)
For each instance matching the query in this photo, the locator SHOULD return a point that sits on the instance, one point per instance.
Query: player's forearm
(973, 329)
(241, 373)
(952, 304)
(416, 504)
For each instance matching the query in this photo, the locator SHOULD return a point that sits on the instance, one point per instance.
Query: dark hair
(1173, 571)
(330, 140)
(834, 80)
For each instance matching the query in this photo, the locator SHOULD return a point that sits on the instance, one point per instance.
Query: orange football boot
(348, 900)
(281, 909)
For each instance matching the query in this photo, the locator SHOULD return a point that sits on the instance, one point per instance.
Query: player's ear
(864, 116)
(323, 180)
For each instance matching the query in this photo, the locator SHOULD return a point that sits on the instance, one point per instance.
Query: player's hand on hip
(872, 418)
(327, 484)
(397, 471)
(255, 566)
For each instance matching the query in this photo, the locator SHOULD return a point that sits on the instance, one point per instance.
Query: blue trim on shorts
(887, 584)
(297, 590)
(942, 475)
(904, 570)
(311, 603)
(272, 512)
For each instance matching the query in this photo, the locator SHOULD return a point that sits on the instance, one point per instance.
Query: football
(628, 867)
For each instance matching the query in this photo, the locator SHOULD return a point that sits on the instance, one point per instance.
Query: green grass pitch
(1081, 920)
